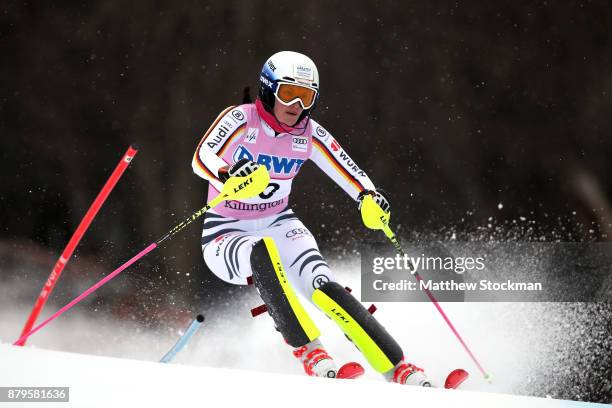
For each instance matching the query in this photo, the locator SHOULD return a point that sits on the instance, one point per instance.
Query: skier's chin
(289, 119)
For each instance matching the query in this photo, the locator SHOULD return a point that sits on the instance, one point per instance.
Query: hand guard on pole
(375, 209)
(241, 168)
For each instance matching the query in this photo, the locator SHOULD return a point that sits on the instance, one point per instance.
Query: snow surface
(103, 381)
(525, 346)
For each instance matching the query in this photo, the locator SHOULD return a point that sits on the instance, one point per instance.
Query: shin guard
(271, 281)
(378, 347)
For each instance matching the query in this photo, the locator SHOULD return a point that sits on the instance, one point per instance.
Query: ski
(455, 378)
(350, 371)
(353, 370)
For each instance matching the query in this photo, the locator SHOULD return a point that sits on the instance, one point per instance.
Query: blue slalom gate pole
(184, 339)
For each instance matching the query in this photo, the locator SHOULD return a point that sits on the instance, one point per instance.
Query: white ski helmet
(288, 67)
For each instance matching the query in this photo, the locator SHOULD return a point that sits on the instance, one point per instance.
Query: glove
(379, 196)
(241, 168)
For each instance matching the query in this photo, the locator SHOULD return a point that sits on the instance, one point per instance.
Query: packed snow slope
(538, 349)
(104, 381)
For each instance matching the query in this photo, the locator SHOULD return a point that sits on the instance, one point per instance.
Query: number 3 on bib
(269, 191)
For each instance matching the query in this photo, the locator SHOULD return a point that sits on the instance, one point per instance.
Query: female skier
(261, 238)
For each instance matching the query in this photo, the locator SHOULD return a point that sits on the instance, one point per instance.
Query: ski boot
(409, 374)
(317, 363)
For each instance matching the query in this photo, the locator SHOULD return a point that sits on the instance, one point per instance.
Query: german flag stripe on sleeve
(196, 156)
(201, 165)
(334, 162)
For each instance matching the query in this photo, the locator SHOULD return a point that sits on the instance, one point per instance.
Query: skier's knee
(271, 281)
(370, 337)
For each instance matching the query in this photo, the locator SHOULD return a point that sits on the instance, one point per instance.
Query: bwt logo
(271, 65)
(276, 164)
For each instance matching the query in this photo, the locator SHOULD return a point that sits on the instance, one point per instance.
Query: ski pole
(375, 218)
(76, 238)
(184, 339)
(234, 188)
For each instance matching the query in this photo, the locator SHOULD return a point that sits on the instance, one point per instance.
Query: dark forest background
(480, 119)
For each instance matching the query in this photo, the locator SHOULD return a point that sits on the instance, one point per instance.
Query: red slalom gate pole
(151, 247)
(24, 336)
(234, 188)
(75, 239)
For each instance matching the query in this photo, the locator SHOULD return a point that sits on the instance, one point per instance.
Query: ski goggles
(287, 94)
